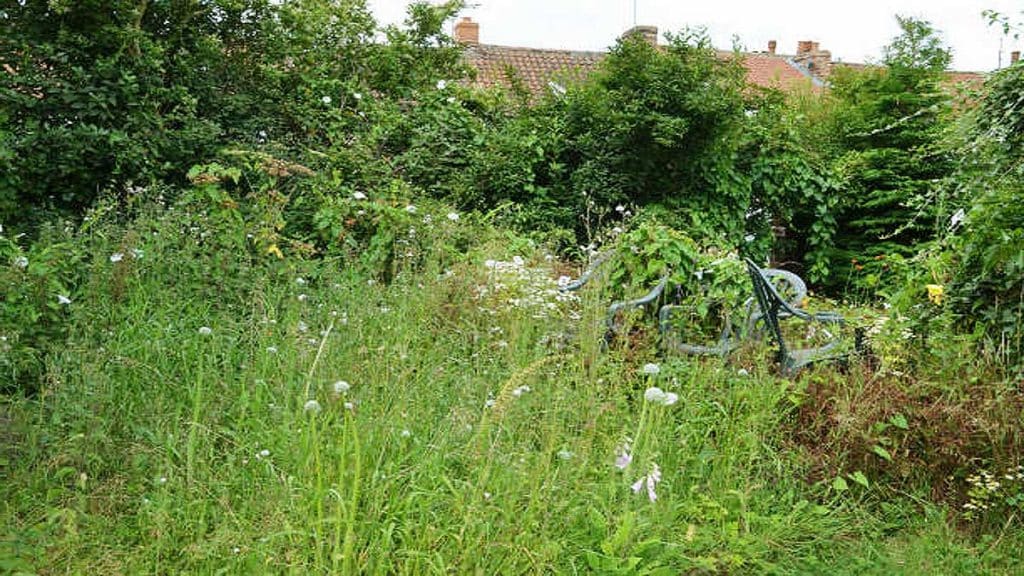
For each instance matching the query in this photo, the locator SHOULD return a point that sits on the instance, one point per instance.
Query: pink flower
(624, 458)
(650, 481)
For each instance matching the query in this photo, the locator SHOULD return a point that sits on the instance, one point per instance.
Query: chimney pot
(804, 47)
(771, 46)
(466, 31)
(1014, 57)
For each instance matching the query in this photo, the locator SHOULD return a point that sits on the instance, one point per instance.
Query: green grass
(474, 442)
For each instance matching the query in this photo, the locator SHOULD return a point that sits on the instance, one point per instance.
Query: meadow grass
(193, 422)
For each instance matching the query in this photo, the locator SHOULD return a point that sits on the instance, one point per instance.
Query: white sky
(854, 31)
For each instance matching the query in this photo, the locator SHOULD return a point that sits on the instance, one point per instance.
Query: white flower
(957, 218)
(441, 84)
(357, 95)
(650, 480)
(302, 297)
(205, 330)
(742, 372)
(137, 254)
(116, 257)
(263, 453)
(62, 299)
(311, 406)
(341, 387)
(620, 208)
(450, 99)
(453, 216)
(520, 391)
(21, 262)
(349, 406)
(358, 196)
(556, 88)
(300, 281)
(654, 395)
(326, 99)
(302, 326)
(410, 209)
(406, 433)
(651, 368)
(565, 454)
(670, 398)
(749, 238)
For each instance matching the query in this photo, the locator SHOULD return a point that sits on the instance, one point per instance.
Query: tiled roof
(537, 67)
(775, 71)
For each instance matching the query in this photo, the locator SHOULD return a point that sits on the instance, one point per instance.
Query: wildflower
(556, 88)
(565, 454)
(450, 99)
(620, 208)
(749, 238)
(162, 480)
(302, 326)
(205, 330)
(271, 349)
(957, 218)
(651, 368)
(410, 209)
(263, 454)
(624, 458)
(326, 99)
(137, 254)
(934, 293)
(520, 391)
(302, 297)
(654, 395)
(650, 480)
(341, 387)
(358, 196)
(311, 406)
(406, 433)
(441, 84)
(357, 95)
(62, 299)
(116, 257)
(21, 262)
(300, 281)
(349, 406)
(453, 216)
(742, 372)
(670, 398)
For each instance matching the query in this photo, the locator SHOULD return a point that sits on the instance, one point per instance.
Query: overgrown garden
(282, 292)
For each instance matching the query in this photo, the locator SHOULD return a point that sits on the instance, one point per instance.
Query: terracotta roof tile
(535, 67)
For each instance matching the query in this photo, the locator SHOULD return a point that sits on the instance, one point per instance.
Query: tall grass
(473, 438)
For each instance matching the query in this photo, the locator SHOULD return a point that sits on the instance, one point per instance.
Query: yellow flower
(934, 293)
(275, 251)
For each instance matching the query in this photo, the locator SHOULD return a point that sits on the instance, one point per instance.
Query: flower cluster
(515, 286)
(650, 481)
(986, 491)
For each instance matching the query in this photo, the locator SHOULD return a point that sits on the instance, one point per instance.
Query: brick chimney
(1014, 57)
(810, 55)
(772, 44)
(648, 34)
(466, 31)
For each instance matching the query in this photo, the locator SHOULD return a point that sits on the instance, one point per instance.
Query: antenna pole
(634, 13)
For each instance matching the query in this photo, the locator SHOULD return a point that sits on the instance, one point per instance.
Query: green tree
(889, 125)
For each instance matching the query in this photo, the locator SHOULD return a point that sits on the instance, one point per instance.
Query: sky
(854, 31)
